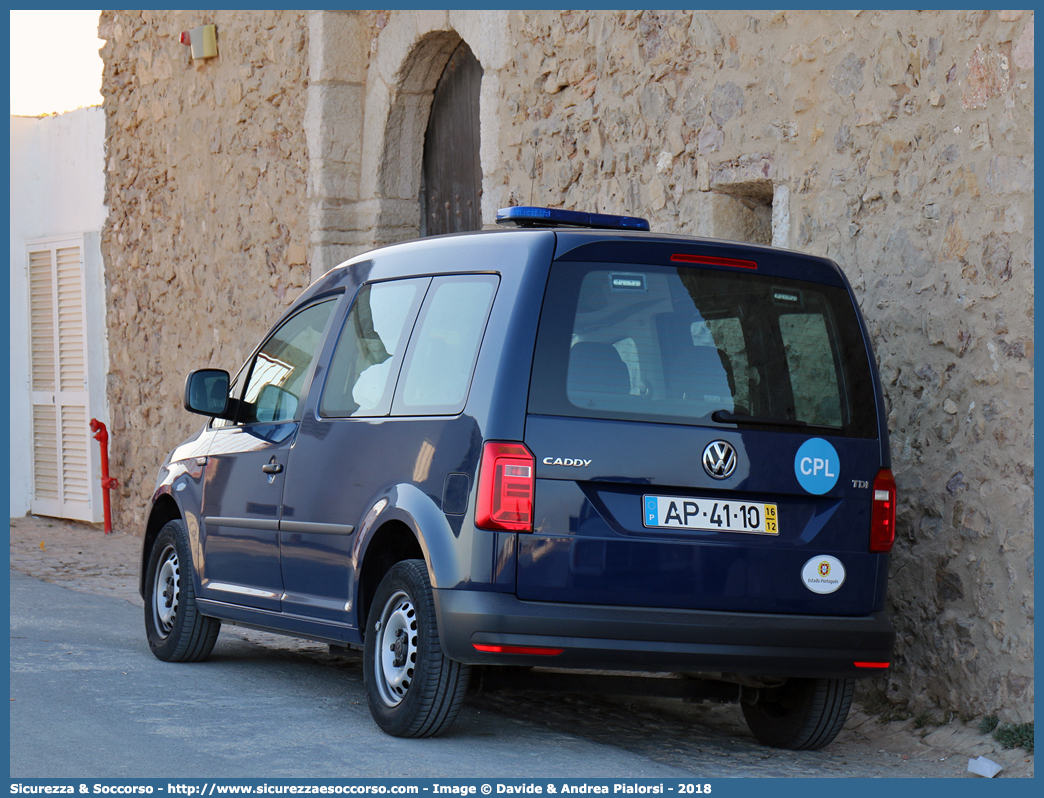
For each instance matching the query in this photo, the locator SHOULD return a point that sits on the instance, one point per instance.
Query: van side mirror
(206, 393)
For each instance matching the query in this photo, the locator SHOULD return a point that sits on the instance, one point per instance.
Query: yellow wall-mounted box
(203, 41)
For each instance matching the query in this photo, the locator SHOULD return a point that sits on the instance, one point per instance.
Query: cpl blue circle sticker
(817, 466)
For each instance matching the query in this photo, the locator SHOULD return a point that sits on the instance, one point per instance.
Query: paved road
(89, 699)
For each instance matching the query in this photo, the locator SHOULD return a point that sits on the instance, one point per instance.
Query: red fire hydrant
(102, 436)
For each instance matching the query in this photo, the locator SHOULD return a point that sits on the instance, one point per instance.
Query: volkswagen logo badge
(719, 459)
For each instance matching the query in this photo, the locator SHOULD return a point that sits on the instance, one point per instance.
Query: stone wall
(207, 236)
(898, 143)
(901, 145)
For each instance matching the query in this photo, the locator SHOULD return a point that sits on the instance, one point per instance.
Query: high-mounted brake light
(870, 664)
(882, 516)
(527, 216)
(709, 260)
(506, 485)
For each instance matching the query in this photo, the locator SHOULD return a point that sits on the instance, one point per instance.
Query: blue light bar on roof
(526, 216)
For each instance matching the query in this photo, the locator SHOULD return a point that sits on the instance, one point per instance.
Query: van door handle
(272, 468)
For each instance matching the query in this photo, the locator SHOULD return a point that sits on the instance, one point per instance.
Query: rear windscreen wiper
(727, 417)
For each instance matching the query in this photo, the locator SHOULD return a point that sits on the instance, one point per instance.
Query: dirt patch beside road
(81, 557)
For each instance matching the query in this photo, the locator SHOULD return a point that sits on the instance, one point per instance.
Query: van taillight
(882, 516)
(505, 487)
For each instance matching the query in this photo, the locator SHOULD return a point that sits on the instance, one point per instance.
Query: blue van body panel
(180, 481)
(590, 545)
(366, 459)
(239, 535)
(594, 562)
(446, 545)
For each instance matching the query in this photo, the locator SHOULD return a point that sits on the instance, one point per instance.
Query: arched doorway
(452, 175)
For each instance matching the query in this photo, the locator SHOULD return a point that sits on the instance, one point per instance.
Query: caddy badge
(566, 461)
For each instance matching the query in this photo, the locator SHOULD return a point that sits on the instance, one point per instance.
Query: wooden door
(452, 189)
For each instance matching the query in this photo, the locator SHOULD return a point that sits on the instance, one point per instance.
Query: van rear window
(701, 346)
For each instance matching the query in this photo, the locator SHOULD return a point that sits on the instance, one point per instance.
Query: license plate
(710, 515)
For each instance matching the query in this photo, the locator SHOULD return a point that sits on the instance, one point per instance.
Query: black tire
(176, 630)
(413, 689)
(803, 714)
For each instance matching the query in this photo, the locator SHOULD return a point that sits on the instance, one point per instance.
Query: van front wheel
(176, 630)
(413, 689)
(803, 714)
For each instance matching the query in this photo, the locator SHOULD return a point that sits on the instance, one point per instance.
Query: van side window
(440, 360)
(278, 373)
(369, 351)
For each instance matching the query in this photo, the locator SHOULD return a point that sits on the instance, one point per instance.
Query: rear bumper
(660, 640)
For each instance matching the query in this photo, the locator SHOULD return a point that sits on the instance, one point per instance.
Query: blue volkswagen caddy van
(574, 446)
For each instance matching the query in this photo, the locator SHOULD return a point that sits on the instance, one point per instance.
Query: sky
(69, 80)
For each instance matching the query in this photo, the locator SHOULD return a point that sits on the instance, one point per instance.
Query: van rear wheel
(803, 714)
(413, 689)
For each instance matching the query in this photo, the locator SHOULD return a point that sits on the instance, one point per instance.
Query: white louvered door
(61, 465)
